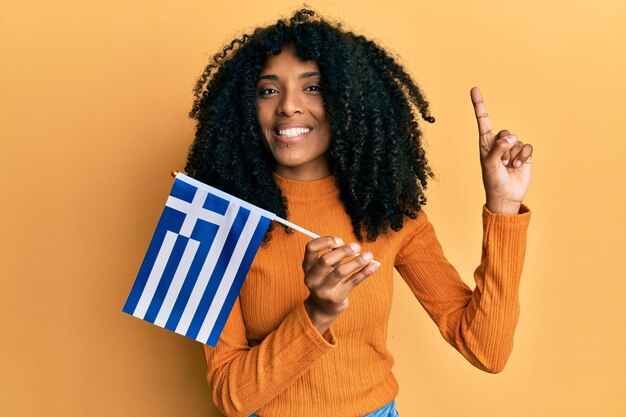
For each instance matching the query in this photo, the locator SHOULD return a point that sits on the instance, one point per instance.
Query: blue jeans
(387, 411)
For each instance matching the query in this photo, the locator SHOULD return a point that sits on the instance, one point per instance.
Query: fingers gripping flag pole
(197, 260)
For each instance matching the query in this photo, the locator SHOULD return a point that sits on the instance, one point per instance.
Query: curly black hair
(371, 104)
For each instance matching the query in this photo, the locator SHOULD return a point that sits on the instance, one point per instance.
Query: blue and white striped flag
(197, 261)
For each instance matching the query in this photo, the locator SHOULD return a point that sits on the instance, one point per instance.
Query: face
(290, 111)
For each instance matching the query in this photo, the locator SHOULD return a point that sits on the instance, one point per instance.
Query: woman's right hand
(329, 280)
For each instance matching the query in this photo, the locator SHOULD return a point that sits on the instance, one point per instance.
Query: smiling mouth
(291, 135)
(293, 132)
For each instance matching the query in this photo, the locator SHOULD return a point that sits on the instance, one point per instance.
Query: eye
(315, 88)
(267, 91)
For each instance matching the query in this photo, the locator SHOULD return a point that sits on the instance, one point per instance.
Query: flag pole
(295, 226)
(278, 219)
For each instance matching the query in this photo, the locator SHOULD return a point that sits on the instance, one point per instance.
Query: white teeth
(294, 131)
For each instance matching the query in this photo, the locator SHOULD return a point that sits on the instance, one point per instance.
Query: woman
(319, 125)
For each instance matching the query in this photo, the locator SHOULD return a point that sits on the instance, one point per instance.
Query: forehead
(287, 62)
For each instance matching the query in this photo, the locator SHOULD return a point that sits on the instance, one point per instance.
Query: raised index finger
(482, 117)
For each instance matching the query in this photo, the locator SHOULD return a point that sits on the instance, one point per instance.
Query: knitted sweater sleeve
(479, 323)
(245, 378)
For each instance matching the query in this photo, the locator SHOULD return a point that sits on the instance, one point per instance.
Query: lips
(290, 133)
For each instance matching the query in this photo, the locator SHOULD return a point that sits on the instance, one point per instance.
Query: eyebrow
(275, 77)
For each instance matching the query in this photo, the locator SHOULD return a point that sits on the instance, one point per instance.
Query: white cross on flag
(197, 261)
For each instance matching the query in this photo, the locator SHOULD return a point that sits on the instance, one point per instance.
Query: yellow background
(94, 101)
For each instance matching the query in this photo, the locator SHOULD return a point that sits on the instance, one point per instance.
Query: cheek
(320, 115)
(324, 123)
(263, 125)
(263, 115)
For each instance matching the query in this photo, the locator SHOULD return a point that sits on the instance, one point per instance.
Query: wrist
(320, 320)
(499, 206)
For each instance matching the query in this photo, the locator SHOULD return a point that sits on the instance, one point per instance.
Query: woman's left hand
(505, 161)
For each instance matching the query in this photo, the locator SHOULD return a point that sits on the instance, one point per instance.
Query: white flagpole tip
(296, 227)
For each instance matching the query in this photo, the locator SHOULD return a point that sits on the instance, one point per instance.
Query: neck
(301, 174)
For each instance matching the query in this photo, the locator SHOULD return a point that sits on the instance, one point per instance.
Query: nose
(290, 103)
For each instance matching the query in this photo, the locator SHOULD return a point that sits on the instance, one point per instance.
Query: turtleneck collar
(306, 189)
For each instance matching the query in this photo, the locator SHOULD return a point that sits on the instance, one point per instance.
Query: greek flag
(197, 260)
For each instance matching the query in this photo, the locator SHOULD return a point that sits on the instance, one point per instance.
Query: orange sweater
(272, 361)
